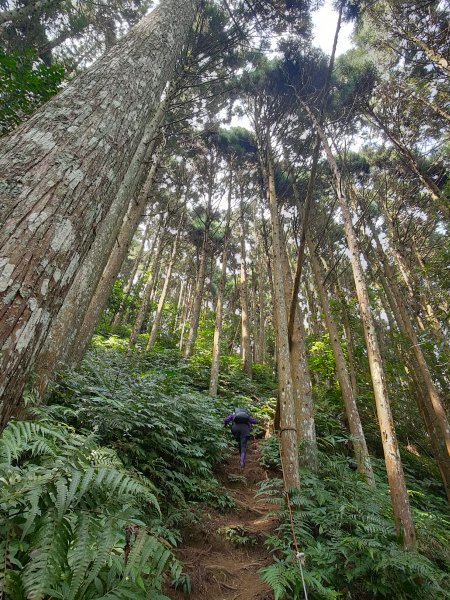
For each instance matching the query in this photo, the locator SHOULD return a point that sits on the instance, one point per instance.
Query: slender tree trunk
(437, 441)
(394, 468)
(137, 261)
(123, 313)
(63, 170)
(245, 329)
(262, 316)
(301, 376)
(411, 161)
(180, 303)
(431, 397)
(349, 343)
(214, 378)
(288, 430)
(358, 439)
(146, 296)
(187, 309)
(162, 298)
(197, 300)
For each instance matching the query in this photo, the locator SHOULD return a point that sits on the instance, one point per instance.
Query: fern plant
(346, 530)
(145, 407)
(73, 519)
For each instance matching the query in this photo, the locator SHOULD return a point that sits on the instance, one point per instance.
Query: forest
(203, 212)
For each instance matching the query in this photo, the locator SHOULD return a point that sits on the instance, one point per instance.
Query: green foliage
(25, 84)
(345, 528)
(321, 357)
(239, 536)
(146, 408)
(73, 520)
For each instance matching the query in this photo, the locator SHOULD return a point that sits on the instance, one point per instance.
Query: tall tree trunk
(245, 329)
(394, 468)
(180, 303)
(288, 429)
(162, 298)
(437, 440)
(430, 397)
(349, 342)
(301, 376)
(262, 316)
(120, 315)
(187, 309)
(358, 439)
(197, 300)
(63, 170)
(147, 293)
(214, 378)
(109, 275)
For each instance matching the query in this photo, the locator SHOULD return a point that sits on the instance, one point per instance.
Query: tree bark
(245, 329)
(358, 439)
(394, 468)
(431, 398)
(437, 440)
(288, 429)
(214, 378)
(197, 299)
(162, 298)
(67, 341)
(146, 296)
(301, 376)
(64, 168)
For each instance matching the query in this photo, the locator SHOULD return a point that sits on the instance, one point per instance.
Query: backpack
(241, 417)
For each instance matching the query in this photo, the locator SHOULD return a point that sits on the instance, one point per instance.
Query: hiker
(242, 423)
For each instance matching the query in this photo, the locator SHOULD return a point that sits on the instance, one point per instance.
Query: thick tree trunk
(162, 298)
(64, 168)
(358, 439)
(65, 326)
(394, 468)
(288, 429)
(214, 378)
(245, 328)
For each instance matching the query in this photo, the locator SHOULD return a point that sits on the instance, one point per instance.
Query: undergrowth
(74, 523)
(345, 528)
(96, 490)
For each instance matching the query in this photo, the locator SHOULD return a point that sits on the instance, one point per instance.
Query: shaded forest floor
(223, 553)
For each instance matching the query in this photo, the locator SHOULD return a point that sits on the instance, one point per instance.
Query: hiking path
(223, 553)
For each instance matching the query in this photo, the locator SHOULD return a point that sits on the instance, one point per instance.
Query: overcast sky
(324, 21)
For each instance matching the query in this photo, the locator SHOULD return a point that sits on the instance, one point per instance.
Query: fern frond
(80, 555)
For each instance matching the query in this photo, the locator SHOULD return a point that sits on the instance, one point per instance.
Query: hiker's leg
(243, 449)
(237, 436)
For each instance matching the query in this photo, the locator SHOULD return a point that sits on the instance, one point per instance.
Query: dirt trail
(220, 568)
